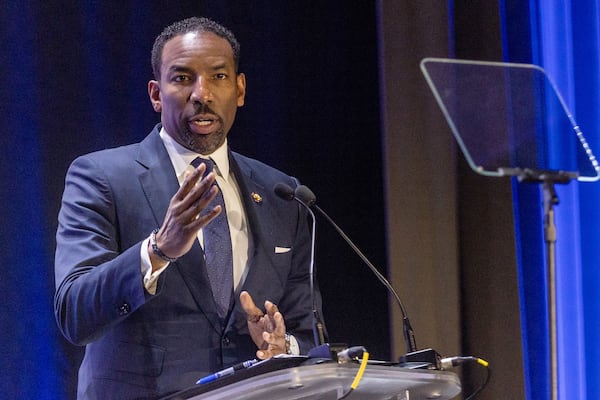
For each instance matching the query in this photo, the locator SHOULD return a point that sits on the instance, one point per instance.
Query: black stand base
(421, 359)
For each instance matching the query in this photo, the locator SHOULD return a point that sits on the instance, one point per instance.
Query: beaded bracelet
(157, 251)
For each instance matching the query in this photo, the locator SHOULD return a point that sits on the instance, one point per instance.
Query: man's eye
(181, 78)
(220, 77)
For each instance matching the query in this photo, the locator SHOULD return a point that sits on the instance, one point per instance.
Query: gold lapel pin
(256, 197)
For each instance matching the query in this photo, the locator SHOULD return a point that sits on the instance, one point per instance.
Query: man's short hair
(193, 24)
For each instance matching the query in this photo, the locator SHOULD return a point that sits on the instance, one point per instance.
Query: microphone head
(284, 191)
(305, 195)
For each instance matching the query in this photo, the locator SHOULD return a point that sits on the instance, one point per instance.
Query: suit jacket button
(124, 309)
(226, 341)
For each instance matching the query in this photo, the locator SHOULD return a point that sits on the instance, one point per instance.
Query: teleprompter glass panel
(509, 117)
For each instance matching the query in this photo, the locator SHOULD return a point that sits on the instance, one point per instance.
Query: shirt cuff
(150, 278)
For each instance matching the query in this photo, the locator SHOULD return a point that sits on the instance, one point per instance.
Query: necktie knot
(210, 164)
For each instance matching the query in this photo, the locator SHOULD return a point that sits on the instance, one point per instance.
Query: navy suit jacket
(141, 346)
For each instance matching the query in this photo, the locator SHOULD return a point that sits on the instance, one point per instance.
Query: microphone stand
(426, 358)
(409, 335)
(318, 332)
(321, 349)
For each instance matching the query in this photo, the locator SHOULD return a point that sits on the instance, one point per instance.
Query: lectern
(329, 381)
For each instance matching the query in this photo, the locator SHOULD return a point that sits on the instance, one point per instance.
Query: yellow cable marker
(361, 370)
(481, 361)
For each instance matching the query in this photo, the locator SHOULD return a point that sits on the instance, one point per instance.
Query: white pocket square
(279, 250)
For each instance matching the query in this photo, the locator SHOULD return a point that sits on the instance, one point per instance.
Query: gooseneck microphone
(287, 193)
(305, 196)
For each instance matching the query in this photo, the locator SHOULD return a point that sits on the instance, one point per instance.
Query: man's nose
(201, 92)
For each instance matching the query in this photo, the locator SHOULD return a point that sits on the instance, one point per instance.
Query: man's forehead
(190, 37)
(200, 37)
(194, 43)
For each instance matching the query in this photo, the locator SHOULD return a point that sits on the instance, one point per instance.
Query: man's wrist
(291, 345)
(151, 266)
(156, 250)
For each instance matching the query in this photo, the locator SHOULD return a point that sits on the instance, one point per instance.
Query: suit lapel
(158, 181)
(193, 270)
(254, 196)
(249, 188)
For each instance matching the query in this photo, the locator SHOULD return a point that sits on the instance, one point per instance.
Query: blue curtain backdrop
(28, 340)
(586, 89)
(562, 37)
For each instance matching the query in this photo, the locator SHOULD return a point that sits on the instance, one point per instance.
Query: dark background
(76, 81)
(335, 98)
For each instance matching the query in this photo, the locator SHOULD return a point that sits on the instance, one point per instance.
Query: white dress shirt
(181, 159)
(236, 216)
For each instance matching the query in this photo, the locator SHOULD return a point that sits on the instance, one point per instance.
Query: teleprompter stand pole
(548, 179)
(551, 199)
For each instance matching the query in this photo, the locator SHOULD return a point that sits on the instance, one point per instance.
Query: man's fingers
(272, 326)
(197, 217)
(253, 313)
(274, 340)
(189, 181)
(189, 205)
(196, 190)
(279, 325)
(275, 345)
(263, 354)
(199, 195)
(271, 308)
(247, 302)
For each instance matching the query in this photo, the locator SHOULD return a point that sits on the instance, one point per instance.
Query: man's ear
(154, 94)
(241, 89)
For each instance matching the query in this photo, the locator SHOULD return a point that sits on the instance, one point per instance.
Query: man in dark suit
(131, 274)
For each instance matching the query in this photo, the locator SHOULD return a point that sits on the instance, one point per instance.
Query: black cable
(455, 361)
(482, 386)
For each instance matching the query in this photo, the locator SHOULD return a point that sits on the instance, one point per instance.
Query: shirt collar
(182, 157)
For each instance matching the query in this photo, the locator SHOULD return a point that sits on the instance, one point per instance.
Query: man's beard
(204, 144)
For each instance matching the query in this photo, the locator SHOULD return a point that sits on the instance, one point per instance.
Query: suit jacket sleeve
(98, 283)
